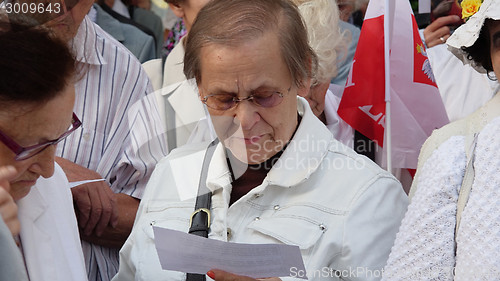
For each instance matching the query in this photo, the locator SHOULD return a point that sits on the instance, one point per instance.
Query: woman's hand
(8, 208)
(219, 275)
(439, 31)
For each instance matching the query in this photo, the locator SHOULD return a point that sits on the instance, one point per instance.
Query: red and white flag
(416, 105)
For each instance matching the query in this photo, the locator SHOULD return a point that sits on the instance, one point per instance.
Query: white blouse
(424, 247)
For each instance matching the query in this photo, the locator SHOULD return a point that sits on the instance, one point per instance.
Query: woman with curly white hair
(321, 18)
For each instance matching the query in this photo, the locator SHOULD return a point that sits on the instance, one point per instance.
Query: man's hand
(219, 275)
(95, 203)
(8, 208)
(439, 31)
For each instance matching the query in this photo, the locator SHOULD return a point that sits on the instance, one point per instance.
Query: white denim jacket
(340, 208)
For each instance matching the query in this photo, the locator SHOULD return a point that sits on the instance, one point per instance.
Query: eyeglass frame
(19, 150)
(251, 97)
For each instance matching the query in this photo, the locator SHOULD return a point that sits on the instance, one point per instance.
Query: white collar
(84, 44)
(305, 152)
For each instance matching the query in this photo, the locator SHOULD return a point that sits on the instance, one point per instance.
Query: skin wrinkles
(252, 133)
(30, 125)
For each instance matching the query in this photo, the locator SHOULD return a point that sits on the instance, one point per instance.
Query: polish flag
(416, 105)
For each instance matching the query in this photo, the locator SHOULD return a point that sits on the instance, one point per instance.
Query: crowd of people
(233, 135)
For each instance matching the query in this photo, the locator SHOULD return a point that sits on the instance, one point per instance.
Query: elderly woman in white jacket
(277, 175)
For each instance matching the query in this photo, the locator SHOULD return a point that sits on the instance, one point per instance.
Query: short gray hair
(233, 22)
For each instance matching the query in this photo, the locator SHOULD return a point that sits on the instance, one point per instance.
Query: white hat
(467, 34)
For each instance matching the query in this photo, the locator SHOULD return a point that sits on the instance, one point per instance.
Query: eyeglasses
(23, 153)
(229, 101)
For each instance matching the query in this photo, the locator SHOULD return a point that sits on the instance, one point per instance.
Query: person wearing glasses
(277, 174)
(37, 95)
(321, 18)
(122, 139)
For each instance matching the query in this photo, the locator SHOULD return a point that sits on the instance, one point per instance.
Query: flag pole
(388, 142)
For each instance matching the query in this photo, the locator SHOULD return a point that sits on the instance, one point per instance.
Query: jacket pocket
(290, 229)
(171, 215)
(165, 216)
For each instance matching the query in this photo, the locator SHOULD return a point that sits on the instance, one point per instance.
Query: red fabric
(366, 89)
(416, 105)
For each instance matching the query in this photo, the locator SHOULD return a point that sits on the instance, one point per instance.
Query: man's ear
(177, 9)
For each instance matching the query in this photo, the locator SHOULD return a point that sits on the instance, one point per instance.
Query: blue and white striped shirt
(121, 137)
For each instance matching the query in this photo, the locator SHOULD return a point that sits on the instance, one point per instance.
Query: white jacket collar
(301, 158)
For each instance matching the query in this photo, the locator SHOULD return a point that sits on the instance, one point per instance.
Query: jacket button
(256, 218)
(276, 207)
(322, 227)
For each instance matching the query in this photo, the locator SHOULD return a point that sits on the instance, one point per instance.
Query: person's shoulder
(354, 170)
(181, 167)
(345, 25)
(487, 138)
(441, 173)
(107, 42)
(187, 150)
(355, 31)
(442, 137)
(459, 127)
(350, 179)
(456, 128)
(141, 14)
(493, 127)
(353, 159)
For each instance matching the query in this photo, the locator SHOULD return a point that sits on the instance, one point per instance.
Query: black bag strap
(200, 219)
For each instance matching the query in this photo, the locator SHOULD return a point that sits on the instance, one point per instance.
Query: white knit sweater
(424, 246)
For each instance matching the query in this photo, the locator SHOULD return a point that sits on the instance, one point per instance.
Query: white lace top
(424, 246)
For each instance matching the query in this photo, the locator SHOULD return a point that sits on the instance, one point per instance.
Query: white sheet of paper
(185, 252)
(77, 183)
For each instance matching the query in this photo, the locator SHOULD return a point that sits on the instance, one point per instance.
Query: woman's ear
(304, 90)
(177, 9)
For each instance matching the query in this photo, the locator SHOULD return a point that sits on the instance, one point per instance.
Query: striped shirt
(121, 137)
